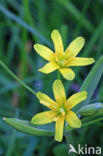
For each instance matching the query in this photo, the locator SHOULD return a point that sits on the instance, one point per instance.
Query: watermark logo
(72, 149)
(84, 150)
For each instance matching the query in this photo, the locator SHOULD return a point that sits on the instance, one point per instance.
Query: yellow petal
(73, 120)
(49, 67)
(59, 129)
(44, 52)
(77, 61)
(75, 99)
(57, 40)
(47, 101)
(59, 92)
(67, 73)
(75, 46)
(44, 118)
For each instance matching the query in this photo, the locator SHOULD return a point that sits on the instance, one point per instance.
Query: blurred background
(22, 24)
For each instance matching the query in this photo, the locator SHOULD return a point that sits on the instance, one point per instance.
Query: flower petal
(67, 73)
(75, 99)
(57, 40)
(75, 46)
(47, 101)
(44, 52)
(59, 92)
(77, 61)
(44, 118)
(49, 67)
(73, 120)
(59, 128)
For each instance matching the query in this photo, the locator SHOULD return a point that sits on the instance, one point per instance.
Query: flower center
(62, 111)
(60, 62)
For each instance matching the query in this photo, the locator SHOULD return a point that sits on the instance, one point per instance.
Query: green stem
(59, 76)
(16, 78)
(92, 122)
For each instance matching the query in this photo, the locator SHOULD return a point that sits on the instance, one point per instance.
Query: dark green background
(23, 23)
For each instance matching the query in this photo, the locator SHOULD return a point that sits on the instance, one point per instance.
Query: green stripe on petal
(44, 118)
(77, 61)
(75, 99)
(59, 128)
(74, 48)
(57, 40)
(67, 73)
(49, 67)
(47, 101)
(59, 92)
(44, 52)
(73, 120)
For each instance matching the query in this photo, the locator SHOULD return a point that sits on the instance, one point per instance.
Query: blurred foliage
(23, 23)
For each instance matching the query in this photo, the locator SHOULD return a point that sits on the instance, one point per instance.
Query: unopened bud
(91, 109)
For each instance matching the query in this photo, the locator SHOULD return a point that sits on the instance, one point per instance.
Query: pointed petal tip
(57, 81)
(81, 38)
(92, 60)
(71, 78)
(35, 45)
(80, 124)
(42, 71)
(57, 139)
(33, 121)
(54, 31)
(38, 94)
(67, 73)
(44, 51)
(85, 93)
(39, 70)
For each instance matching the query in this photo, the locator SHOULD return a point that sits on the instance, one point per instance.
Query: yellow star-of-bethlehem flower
(62, 60)
(60, 109)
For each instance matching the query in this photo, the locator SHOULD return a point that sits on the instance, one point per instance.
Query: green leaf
(73, 10)
(25, 25)
(28, 128)
(91, 81)
(42, 130)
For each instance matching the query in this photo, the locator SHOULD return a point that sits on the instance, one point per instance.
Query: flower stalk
(17, 79)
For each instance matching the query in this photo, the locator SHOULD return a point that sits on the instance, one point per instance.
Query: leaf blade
(91, 81)
(28, 128)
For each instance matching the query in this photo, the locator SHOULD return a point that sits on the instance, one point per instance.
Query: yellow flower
(62, 60)
(60, 109)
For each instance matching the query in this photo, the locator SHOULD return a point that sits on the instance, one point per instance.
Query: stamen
(62, 111)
